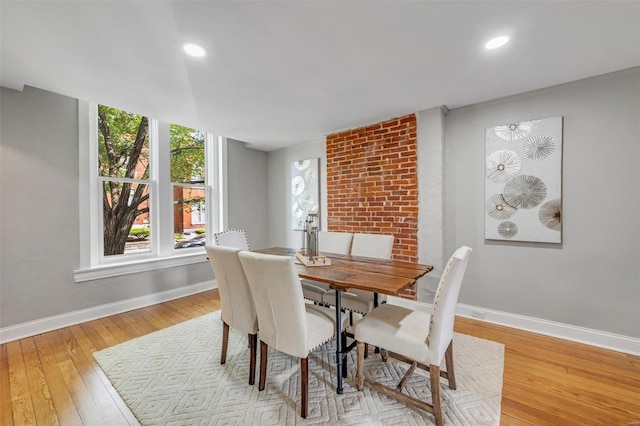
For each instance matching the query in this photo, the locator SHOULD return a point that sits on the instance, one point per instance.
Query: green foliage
(139, 233)
(200, 231)
(118, 131)
(123, 152)
(178, 236)
(187, 154)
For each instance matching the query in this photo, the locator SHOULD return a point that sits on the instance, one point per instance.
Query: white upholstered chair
(377, 246)
(413, 335)
(232, 238)
(287, 323)
(238, 309)
(330, 242)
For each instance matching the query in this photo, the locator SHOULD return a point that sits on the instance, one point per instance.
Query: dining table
(346, 272)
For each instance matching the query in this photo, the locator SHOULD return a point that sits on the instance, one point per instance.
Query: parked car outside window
(197, 241)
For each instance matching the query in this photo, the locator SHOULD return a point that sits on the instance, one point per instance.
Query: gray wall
(279, 216)
(593, 279)
(247, 187)
(39, 230)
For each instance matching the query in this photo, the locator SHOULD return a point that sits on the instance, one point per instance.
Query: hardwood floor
(53, 379)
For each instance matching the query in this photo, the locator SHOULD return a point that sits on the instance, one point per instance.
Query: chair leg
(451, 375)
(360, 363)
(384, 354)
(435, 393)
(304, 386)
(264, 349)
(406, 376)
(366, 350)
(225, 341)
(253, 339)
(343, 336)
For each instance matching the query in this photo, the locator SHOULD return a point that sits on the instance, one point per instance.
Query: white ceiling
(283, 73)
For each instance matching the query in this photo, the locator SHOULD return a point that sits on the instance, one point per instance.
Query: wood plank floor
(52, 378)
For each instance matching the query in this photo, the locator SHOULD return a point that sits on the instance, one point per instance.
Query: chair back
(238, 309)
(372, 245)
(444, 304)
(277, 294)
(232, 238)
(335, 242)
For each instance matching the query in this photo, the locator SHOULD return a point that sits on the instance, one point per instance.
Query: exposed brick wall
(372, 184)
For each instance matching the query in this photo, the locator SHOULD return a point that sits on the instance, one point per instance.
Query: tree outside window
(123, 165)
(124, 152)
(188, 178)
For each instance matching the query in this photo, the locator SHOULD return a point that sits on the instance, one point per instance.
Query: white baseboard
(602, 339)
(43, 325)
(588, 336)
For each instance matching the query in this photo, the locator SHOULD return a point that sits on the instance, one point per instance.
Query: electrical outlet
(478, 314)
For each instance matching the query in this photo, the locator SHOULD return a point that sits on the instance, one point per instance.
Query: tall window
(188, 172)
(123, 169)
(151, 193)
(154, 187)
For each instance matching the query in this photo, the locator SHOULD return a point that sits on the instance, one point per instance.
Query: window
(197, 213)
(151, 192)
(188, 174)
(123, 173)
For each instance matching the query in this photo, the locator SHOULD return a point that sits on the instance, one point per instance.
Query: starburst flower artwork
(515, 131)
(550, 214)
(502, 165)
(538, 147)
(525, 191)
(508, 230)
(498, 208)
(523, 181)
(305, 189)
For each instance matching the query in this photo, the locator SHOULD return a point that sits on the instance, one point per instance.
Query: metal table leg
(375, 305)
(338, 340)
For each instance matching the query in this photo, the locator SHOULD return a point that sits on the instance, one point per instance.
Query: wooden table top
(363, 273)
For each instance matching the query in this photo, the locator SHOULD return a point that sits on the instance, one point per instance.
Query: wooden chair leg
(343, 337)
(451, 375)
(304, 386)
(225, 341)
(435, 393)
(360, 363)
(253, 339)
(406, 377)
(384, 355)
(264, 349)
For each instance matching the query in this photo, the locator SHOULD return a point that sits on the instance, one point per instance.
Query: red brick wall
(372, 184)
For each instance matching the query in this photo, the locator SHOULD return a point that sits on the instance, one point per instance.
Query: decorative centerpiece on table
(310, 255)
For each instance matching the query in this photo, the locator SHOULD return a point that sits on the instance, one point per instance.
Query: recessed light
(494, 43)
(194, 50)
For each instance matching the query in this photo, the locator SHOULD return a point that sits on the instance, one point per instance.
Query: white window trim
(219, 169)
(163, 254)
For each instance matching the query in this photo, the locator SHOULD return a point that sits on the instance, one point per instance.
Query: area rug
(174, 377)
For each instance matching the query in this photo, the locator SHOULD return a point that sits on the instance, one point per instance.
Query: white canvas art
(305, 189)
(523, 181)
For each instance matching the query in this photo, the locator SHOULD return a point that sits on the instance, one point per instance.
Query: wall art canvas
(305, 190)
(523, 181)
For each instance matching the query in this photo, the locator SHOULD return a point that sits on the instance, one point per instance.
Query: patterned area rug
(174, 376)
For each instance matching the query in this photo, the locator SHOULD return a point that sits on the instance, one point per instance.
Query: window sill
(114, 270)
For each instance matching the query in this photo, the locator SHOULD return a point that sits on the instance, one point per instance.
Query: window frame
(93, 264)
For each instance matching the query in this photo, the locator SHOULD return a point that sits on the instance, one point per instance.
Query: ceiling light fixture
(494, 43)
(194, 50)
